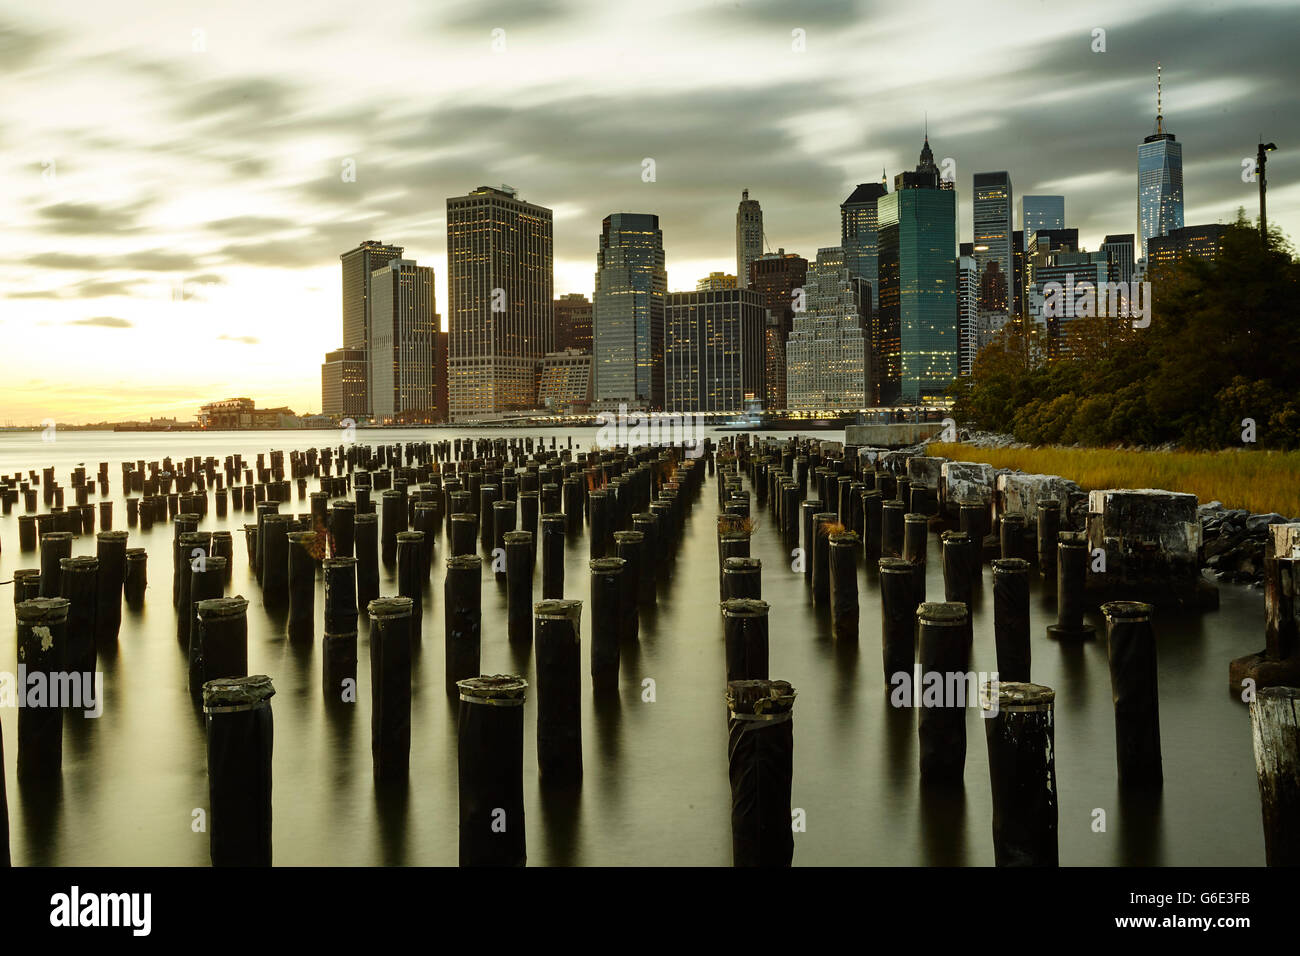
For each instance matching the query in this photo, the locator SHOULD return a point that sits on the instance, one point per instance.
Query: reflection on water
(655, 787)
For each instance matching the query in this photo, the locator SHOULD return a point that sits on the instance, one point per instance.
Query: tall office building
(1160, 180)
(717, 281)
(357, 267)
(343, 384)
(858, 223)
(1018, 273)
(573, 323)
(967, 314)
(401, 340)
(1120, 250)
(775, 277)
(713, 350)
(1041, 212)
(749, 236)
(1190, 242)
(994, 255)
(501, 315)
(826, 356)
(628, 312)
(915, 343)
(440, 397)
(1070, 269)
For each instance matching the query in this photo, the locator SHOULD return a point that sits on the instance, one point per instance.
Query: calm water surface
(655, 789)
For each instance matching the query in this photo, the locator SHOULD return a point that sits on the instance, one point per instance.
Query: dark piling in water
(1011, 532)
(1011, 618)
(745, 638)
(1020, 731)
(367, 547)
(393, 513)
(137, 577)
(207, 582)
(42, 642)
(553, 526)
(390, 688)
(55, 546)
(742, 578)
(844, 549)
(340, 594)
(944, 646)
(79, 585)
(606, 621)
(1071, 579)
(462, 600)
(891, 529)
(222, 638)
(1049, 525)
(518, 547)
(1131, 647)
(1275, 732)
(760, 766)
(559, 691)
(490, 764)
(464, 530)
(302, 585)
(898, 623)
(342, 522)
(412, 576)
(240, 734)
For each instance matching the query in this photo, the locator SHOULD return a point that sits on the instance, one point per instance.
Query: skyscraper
(749, 236)
(628, 312)
(500, 317)
(1160, 180)
(401, 340)
(858, 221)
(775, 276)
(967, 315)
(1041, 212)
(573, 323)
(357, 267)
(343, 384)
(1120, 249)
(916, 340)
(994, 260)
(826, 356)
(713, 350)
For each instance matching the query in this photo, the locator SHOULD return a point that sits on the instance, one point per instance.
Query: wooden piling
(1131, 649)
(944, 647)
(462, 601)
(760, 767)
(1020, 732)
(559, 691)
(240, 733)
(390, 687)
(1275, 733)
(1011, 619)
(42, 640)
(490, 764)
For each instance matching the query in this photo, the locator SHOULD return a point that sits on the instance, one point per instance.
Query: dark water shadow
(41, 799)
(392, 810)
(944, 833)
(1140, 827)
(561, 813)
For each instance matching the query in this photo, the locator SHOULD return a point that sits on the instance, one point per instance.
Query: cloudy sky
(176, 202)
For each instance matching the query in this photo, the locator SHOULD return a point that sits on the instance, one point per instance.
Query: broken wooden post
(412, 576)
(1275, 732)
(742, 578)
(745, 638)
(1011, 618)
(518, 546)
(42, 640)
(490, 765)
(240, 733)
(1131, 648)
(390, 688)
(302, 584)
(366, 529)
(1020, 732)
(944, 647)
(559, 691)
(844, 547)
(606, 621)
(1071, 579)
(553, 527)
(463, 604)
(760, 766)
(897, 621)
(221, 638)
(137, 577)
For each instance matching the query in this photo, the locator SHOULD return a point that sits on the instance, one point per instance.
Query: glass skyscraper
(858, 222)
(628, 312)
(1160, 180)
(1041, 212)
(994, 262)
(917, 352)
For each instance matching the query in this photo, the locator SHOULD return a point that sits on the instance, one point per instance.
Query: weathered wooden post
(302, 584)
(240, 733)
(898, 622)
(221, 638)
(745, 637)
(1020, 732)
(518, 547)
(820, 556)
(1011, 531)
(462, 600)
(1071, 579)
(78, 584)
(958, 570)
(366, 541)
(844, 549)
(1011, 618)
(553, 527)
(390, 687)
(55, 546)
(342, 524)
(42, 642)
(412, 576)
(606, 621)
(891, 529)
(137, 577)
(392, 505)
(1131, 647)
(944, 646)
(207, 582)
(1049, 525)
(490, 762)
(1275, 732)
(275, 558)
(916, 529)
(559, 691)
(742, 578)
(760, 765)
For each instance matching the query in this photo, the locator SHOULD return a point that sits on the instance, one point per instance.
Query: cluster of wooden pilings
(836, 509)
(392, 503)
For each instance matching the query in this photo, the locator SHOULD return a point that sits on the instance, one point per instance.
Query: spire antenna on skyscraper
(1160, 111)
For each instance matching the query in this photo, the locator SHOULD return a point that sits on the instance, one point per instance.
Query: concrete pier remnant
(1149, 540)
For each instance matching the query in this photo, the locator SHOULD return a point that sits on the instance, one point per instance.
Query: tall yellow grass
(1260, 481)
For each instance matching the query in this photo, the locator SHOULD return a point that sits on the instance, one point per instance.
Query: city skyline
(168, 201)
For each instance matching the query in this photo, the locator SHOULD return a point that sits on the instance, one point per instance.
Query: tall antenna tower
(1160, 110)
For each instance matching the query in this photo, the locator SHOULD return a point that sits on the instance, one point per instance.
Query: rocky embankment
(1232, 540)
